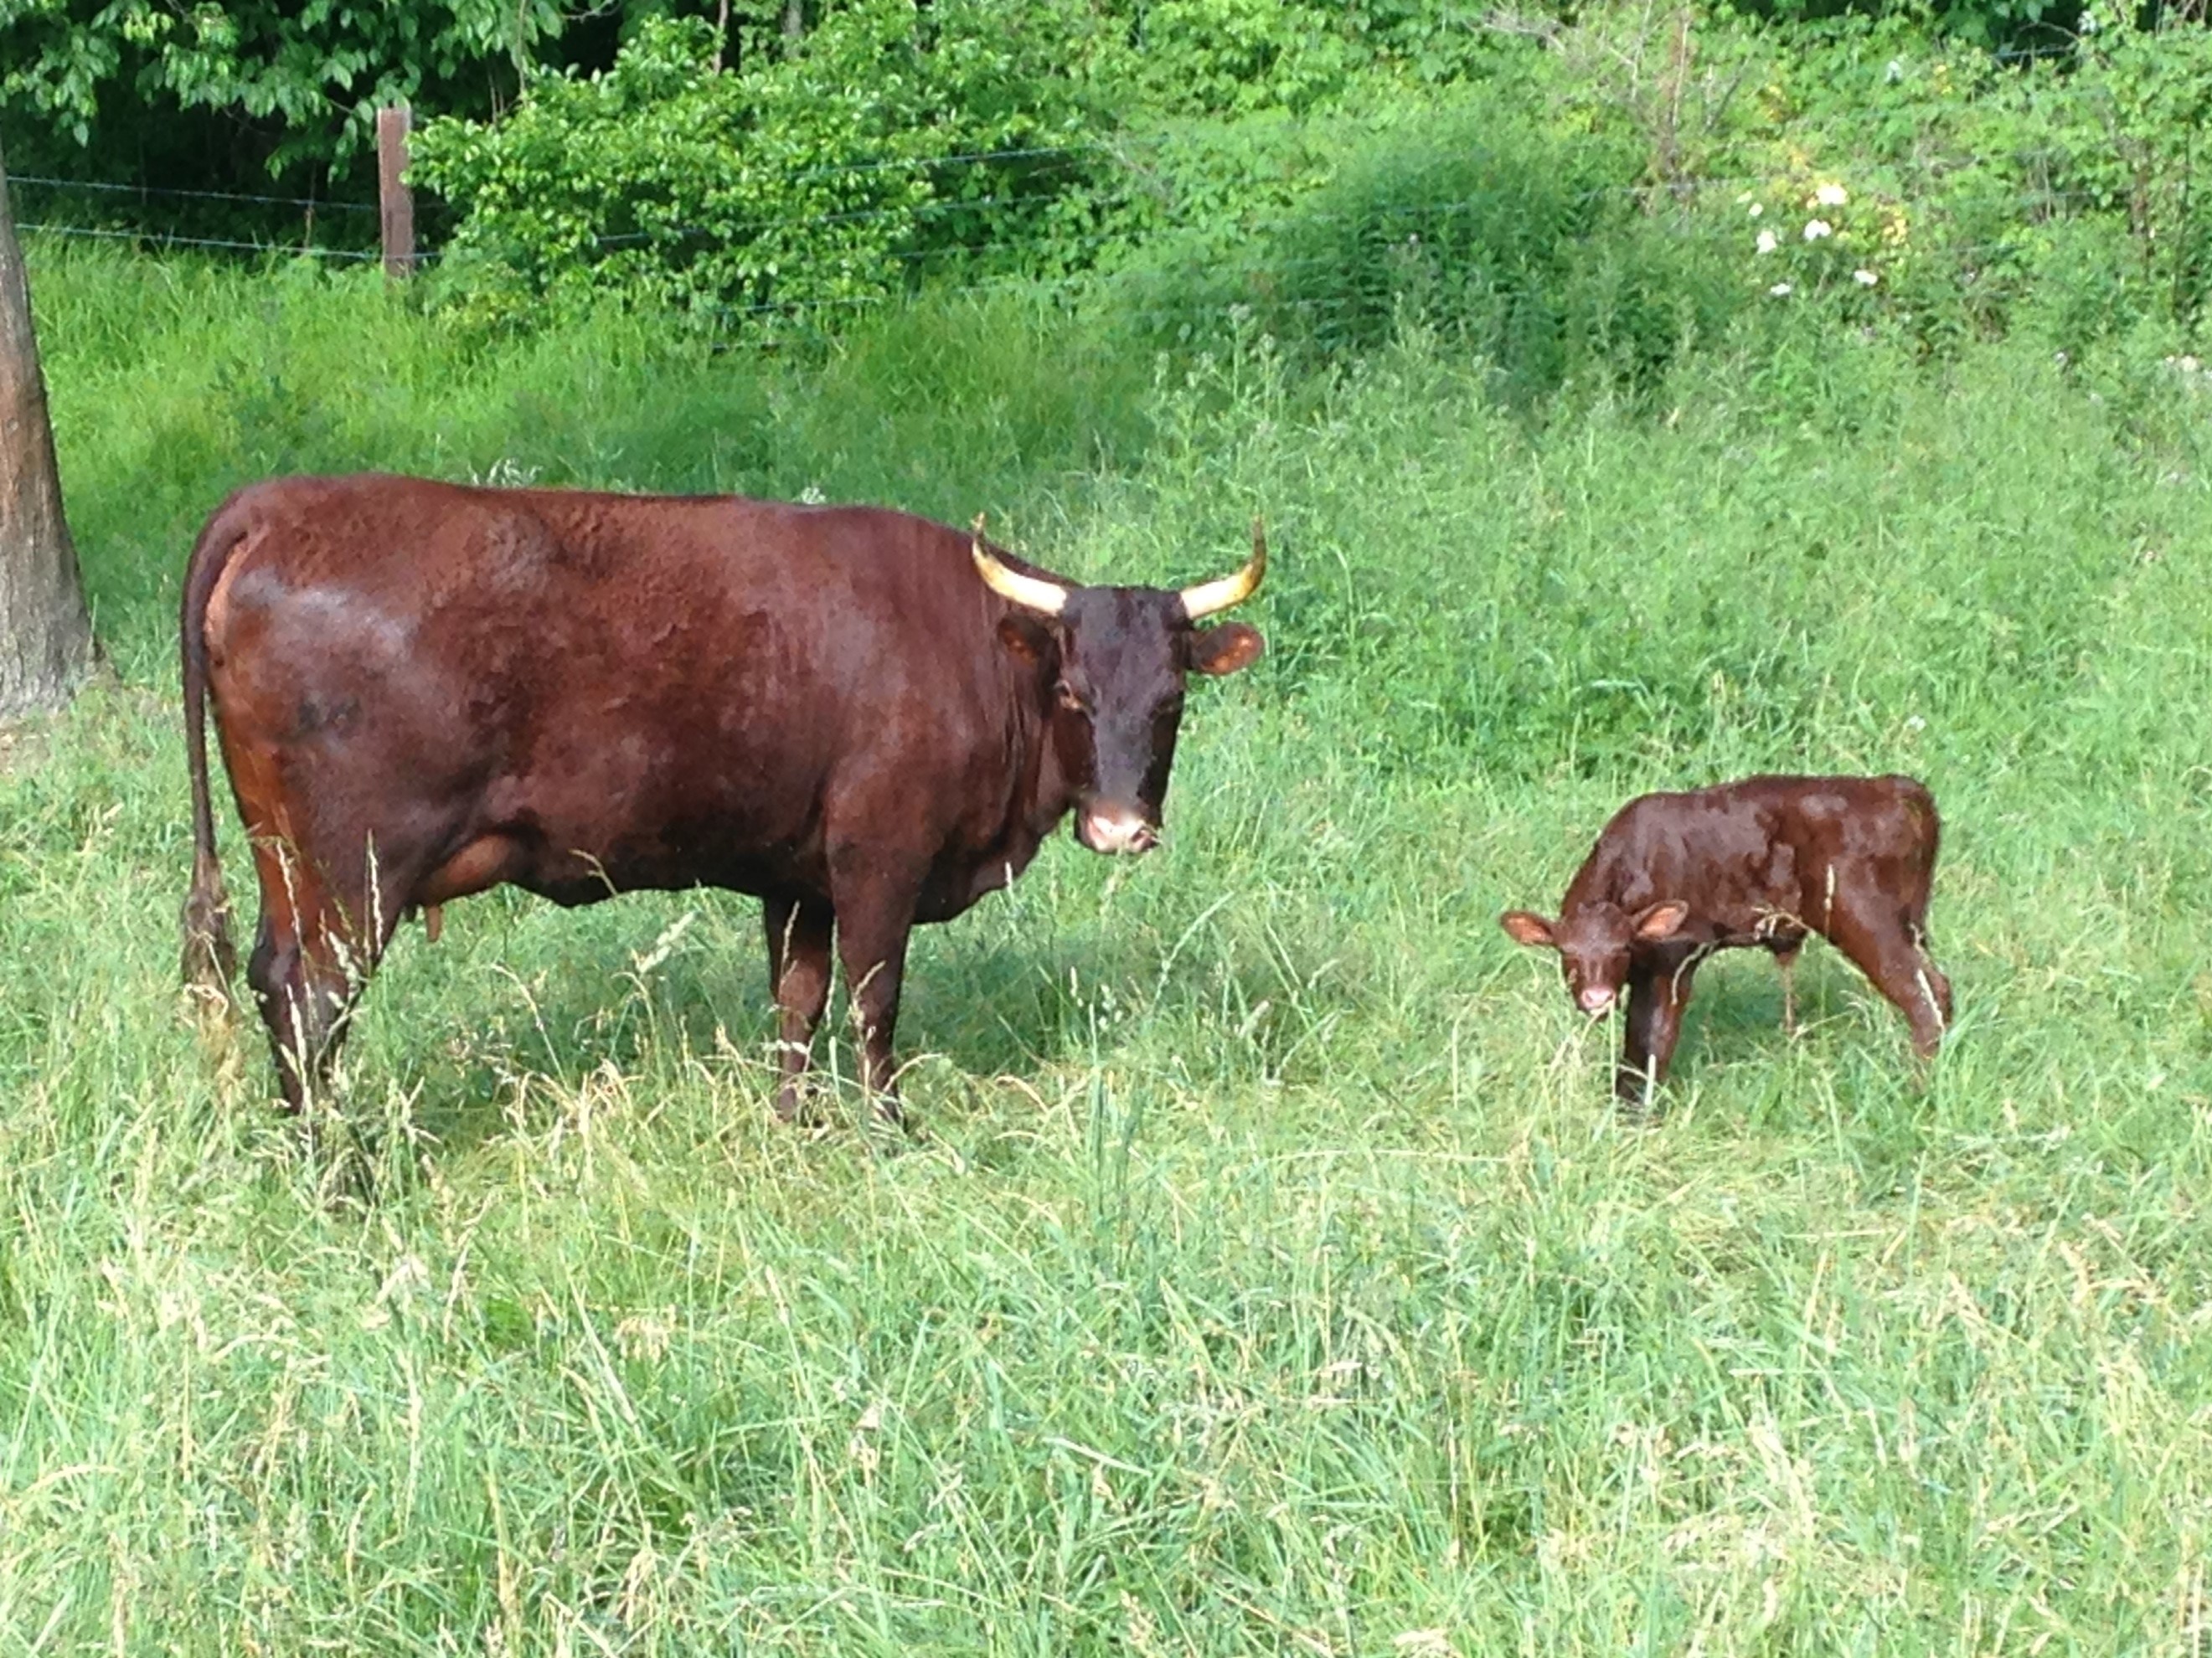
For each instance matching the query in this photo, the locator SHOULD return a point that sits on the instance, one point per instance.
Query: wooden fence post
(46, 634)
(395, 201)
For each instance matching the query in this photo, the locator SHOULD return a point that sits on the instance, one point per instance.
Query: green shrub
(825, 178)
(1533, 246)
(2060, 195)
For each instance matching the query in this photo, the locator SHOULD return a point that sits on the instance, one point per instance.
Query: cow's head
(1593, 944)
(1117, 657)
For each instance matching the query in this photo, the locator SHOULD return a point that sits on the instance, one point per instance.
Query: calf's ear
(1524, 928)
(1659, 920)
(1224, 649)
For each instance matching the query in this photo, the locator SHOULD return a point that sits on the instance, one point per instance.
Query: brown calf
(1761, 862)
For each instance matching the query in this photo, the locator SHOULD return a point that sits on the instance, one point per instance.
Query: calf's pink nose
(1594, 998)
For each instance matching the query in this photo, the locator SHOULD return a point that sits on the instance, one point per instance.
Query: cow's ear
(1523, 928)
(1662, 920)
(1224, 649)
(1026, 637)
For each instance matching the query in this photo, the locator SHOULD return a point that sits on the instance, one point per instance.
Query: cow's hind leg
(310, 958)
(1888, 947)
(799, 931)
(298, 973)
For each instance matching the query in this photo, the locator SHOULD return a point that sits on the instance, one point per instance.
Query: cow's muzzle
(1596, 1000)
(1110, 830)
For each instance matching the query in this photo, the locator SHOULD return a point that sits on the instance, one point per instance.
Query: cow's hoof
(797, 1107)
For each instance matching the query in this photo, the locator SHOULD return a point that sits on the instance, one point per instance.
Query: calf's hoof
(1635, 1098)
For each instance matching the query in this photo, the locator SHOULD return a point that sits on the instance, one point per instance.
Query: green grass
(1273, 1275)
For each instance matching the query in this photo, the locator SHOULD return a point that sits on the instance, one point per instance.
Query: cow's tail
(210, 959)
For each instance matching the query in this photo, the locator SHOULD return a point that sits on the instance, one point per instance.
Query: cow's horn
(1030, 592)
(1209, 597)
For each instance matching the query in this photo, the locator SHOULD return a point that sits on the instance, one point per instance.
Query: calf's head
(1594, 941)
(1118, 657)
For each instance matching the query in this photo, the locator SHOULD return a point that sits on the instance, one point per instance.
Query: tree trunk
(45, 634)
(795, 20)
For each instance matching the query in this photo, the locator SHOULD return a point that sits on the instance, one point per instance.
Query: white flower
(2088, 23)
(1816, 229)
(1768, 241)
(1832, 196)
(1865, 278)
(1757, 208)
(1780, 290)
(1895, 72)
(2188, 365)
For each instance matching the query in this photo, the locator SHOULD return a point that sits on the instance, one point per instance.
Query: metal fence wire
(1075, 253)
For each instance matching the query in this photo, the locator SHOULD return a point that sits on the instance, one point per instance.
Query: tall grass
(1271, 1275)
(1538, 249)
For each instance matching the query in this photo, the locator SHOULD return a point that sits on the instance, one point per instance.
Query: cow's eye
(1069, 698)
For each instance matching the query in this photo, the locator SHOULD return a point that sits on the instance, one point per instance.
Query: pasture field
(1271, 1274)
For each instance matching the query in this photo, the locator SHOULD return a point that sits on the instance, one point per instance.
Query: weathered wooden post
(46, 634)
(395, 201)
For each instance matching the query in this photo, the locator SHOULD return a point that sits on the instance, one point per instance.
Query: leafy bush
(1534, 247)
(226, 97)
(1983, 196)
(1238, 56)
(1185, 58)
(827, 177)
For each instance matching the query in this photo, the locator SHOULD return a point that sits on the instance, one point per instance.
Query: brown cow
(865, 719)
(1762, 862)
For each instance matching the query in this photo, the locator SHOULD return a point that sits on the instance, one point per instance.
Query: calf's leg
(799, 931)
(1786, 959)
(1887, 946)
(1658, 991)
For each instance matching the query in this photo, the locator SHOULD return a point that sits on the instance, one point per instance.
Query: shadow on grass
(545, 1002)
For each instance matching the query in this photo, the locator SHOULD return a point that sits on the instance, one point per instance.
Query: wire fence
(155, 239)
(172, 193)
(308, 206)
(1123, 152)
(1120, 212)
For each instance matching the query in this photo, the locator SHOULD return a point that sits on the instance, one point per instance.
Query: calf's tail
(1927, 826)
(210, 959)
(1922, 804)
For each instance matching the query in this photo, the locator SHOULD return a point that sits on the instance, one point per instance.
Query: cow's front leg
(875, 913)
(798, 977)
(1657, 993)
